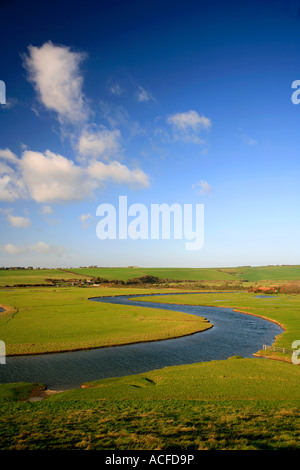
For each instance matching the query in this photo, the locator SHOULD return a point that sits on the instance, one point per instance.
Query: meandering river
(232, 334)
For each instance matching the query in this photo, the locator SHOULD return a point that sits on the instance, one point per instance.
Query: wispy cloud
(248, 140)
(117, 117)
(188, 126)
(144, 96)
(202, 187)
(99, 144)
(84, 218)
(116, 89)
(47, 177)
(46, 210)
(41, 248)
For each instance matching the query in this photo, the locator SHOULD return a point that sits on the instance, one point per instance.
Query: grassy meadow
(238, 404)
(233, 404)
(267, 274)
(42, 320)
(247, 273)
(18, 277)
(189, 274)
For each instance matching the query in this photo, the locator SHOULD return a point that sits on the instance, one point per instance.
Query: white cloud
(144, 96)
(249, 140)
(84, 218)
(202, 188)
(116, 89)
(188, 125)
(118, 117)
(6, 154)
(46, 210)
(11, 184)
(189, 120)
(44, 249)
(51, 177)
(13, 249)
(118, 173)
(55, 74)
(19, 221)
(41, 248)
(100, 144)
(47, 177)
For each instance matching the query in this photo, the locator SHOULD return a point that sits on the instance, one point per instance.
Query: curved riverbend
(233, 333)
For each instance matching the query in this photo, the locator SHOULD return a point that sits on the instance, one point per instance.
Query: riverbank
(55, 320)
(68, 370)
(281, 309)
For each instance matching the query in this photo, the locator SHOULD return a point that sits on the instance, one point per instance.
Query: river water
(232, 334)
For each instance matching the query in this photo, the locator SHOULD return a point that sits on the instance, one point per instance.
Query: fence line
(276, 348)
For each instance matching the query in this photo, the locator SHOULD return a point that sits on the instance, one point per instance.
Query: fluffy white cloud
(100, 144)
(51, 177)
(13, 249)
(19, 221)
(48, 178)
(55, 74)
(118, 173)
(11, 184)
(188, 125)
(6, 154)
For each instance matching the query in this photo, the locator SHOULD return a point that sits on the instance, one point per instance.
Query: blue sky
(164, 102)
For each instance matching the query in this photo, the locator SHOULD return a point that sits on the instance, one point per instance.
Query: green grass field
(251, 274)
(44, 320)
(162, 273)
(39, 276)
(240, 404)
(234, 404)
(263, 273)
(232, 379)
(266, 273)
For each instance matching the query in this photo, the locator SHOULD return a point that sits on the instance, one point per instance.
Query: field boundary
(277, 349)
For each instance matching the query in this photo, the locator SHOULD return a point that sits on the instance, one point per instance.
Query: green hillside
(189, 274)
(34, 276)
